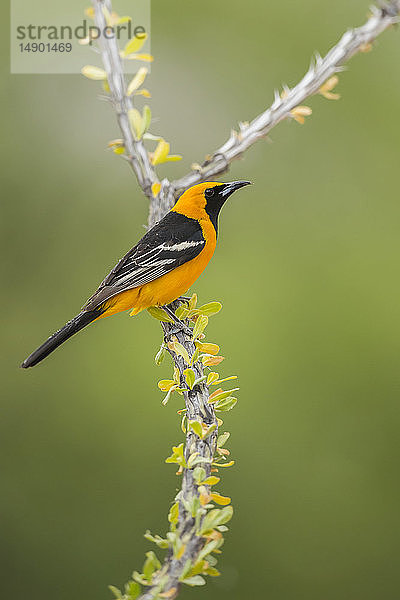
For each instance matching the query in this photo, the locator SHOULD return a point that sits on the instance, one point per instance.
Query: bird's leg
(180, 325)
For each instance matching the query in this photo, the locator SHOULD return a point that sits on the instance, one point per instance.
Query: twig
(352, 42)
(137, 154)
(196, 400)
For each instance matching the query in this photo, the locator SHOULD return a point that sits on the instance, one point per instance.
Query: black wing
(175, 240)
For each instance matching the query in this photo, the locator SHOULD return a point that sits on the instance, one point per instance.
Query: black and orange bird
(160, 268)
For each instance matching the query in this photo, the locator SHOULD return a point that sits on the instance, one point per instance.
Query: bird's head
(206, 198)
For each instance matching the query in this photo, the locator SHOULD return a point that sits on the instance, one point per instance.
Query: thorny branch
(196, 400)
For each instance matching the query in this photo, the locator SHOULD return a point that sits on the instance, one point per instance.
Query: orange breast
(169, 287)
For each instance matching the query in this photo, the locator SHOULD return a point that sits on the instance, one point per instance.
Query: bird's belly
(161, 291)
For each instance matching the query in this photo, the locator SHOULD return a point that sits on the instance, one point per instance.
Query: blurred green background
(307, 269)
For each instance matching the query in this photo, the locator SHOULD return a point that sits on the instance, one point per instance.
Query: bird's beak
(231, 187)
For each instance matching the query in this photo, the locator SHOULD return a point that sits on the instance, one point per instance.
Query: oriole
(160, 268)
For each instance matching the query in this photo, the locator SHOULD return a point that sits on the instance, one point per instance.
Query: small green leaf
(193, 302)
(151, 565)
(196, 427)
(212, 428)
(177, 456)
(146, 118)
(212, 378)
(199, 327)
(218, 381)
(216, 397)
(190, 377)
(212, 480)
(199, 474)
(174, 513)
(207, 549)
(137, 81)
(180, 350)
(134, 45)
(195, 358)
(132, 590)
(95, 73)
(156, 539)
(159, 314)
(216, 517)
(159, 357)
(116, 592)
(222, 439)
(181, 312)
(226, 404)
(168, 396)
(212, 308)
(195, 580)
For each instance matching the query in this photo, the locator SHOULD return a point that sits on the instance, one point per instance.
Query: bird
(160, 268)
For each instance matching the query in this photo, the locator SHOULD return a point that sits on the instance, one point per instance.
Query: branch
(136, 152)
(188, 542)
(352, 42)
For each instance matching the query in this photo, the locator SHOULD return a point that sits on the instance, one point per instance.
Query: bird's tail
(61, 336)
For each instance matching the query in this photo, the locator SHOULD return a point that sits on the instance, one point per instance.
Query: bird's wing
(175, 240)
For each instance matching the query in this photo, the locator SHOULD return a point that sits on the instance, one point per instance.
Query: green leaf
(174, 513)
(136, 122)
(225, 405)
(212, 308)
(132, 590)
(212, 378)
(212, 572)
(179, 349)
(181, 312)
(190, 377)
(156, 539)
(134, 45)
(218, 381)
(199, 327)
(196, 427)
(137, 80)
(195, 580)
(222, 439)
(159, 314)
(95, 73)
(212, 428)
(195, 358)
(216, 517)
(212, 480)
(199, 474)
(193, 302)
(214, 398)
(116, 592)
(177, 456)
(159, 357)
(169, 394)
(146, 118)
(151, 565)
(207, 549)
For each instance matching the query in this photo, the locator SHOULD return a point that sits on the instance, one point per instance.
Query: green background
(307, 269)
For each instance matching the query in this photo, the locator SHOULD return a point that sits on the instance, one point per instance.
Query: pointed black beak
(229, 188)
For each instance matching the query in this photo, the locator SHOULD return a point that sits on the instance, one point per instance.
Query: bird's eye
(209, 193)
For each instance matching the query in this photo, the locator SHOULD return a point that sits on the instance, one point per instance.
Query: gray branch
(196, 400)
(136, 152)
(353, 41)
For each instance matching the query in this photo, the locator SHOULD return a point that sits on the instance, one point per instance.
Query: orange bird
(160, 268)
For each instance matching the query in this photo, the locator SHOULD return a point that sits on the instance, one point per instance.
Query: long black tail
(61, 336)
